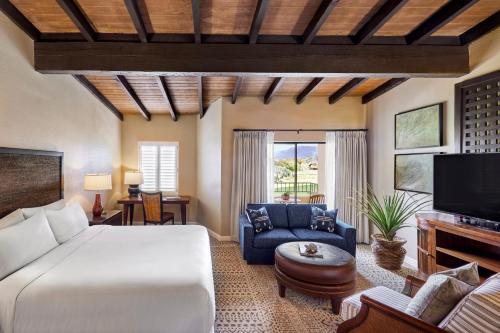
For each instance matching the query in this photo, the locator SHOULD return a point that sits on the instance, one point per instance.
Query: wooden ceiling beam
(162, 83)
(135, 15)
(79, 19)
(273, 89)
(195, 4)
(258, 18)
(481, 29)
(344, 90)
(94, 91)
(237, 88)
(134, 97)
(392, 83)
(378, 17)
(443, 15)
(322, 13)
(258, 59)
(308, 89)
(19, 19)
(199, 86)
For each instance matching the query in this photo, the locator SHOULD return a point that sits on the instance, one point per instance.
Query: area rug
(248, 302)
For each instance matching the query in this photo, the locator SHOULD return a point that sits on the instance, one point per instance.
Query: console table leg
(282, 289)
(336, 305)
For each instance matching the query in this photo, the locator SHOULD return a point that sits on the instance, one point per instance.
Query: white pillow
(13, 218)
(24, 242)
(67, 222)
(29, 212)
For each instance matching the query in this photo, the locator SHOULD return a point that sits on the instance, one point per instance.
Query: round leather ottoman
(332, 276)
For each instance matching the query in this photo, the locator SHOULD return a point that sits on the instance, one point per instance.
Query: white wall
(484, 58)
(54, 112)
(209, 182)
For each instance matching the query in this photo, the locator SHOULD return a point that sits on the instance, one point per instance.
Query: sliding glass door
(296, 171)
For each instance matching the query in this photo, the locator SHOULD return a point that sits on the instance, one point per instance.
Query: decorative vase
(388, 254)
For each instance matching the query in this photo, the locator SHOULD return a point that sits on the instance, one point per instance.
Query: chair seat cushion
(167, 216)
(352, 304)
(320, 236)
(273, 238)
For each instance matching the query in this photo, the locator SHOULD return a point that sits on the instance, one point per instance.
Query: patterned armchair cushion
(437, 297)
(478, 312)
(277, 213)
(352, 304)
(299, 215)
(323, 220)
(259, 219)
(467, 273)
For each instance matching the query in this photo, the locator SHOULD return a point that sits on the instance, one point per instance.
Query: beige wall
(162, 128)
(209, 167)
(54, 112)
(484, 58)
(281, 113)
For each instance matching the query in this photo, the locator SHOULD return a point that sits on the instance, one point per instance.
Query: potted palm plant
(389, 215)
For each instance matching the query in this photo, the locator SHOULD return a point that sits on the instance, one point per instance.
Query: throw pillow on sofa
(259, 219)
(323, 220)
(442, 292)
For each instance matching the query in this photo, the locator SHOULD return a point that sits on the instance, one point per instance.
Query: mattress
(115, 279)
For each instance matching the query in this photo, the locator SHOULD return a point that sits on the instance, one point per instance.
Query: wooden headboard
(29, 178)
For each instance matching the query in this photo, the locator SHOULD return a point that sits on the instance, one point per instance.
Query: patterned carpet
(248, 301)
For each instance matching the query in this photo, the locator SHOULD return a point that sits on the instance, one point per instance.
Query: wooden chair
(375, 316)
(317, 199)
(153, 209)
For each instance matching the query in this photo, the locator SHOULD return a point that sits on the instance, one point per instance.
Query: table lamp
(133, 179)
(97, 182)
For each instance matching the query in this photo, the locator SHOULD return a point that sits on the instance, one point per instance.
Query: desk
(129, 202)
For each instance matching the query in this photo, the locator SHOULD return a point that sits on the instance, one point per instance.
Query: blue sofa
(291, 223)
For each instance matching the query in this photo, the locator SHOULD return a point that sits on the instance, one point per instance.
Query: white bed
(115, 279)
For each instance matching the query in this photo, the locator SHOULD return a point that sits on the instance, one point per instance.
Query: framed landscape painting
(419, 128)
(413, 172)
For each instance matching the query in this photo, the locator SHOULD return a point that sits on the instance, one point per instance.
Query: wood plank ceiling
(346, 22)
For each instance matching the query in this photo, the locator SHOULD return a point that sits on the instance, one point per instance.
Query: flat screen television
(468, 185)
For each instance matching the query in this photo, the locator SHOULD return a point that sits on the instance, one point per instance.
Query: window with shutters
(159, 164)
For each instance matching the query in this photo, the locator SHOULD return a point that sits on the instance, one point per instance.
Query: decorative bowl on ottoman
(332, 276)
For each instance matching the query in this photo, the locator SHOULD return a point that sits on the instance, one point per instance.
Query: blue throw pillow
(259, 219)
(323, 220)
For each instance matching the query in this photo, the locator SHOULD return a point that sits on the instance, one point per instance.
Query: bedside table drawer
(110, 217)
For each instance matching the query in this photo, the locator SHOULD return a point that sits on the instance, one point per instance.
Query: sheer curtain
(252, 172)
(346, 175)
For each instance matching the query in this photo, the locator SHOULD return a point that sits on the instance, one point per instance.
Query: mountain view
(303, 151)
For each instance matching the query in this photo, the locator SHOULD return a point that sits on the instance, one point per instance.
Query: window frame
(161, 143)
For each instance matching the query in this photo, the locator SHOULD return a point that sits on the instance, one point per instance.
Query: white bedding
(115, 279)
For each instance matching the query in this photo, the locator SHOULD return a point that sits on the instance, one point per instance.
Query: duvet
(115, 279)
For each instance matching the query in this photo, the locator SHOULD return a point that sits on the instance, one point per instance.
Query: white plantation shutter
(159, 165)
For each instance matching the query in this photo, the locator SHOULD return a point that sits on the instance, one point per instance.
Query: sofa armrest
(347, 232)
(246, 234)
(378, 317)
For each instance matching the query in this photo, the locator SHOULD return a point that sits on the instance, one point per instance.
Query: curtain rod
(299, 130)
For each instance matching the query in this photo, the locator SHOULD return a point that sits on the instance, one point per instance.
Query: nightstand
(110, 217)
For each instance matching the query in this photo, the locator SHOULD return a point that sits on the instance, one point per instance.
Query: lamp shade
(97, 182)
(133, 178)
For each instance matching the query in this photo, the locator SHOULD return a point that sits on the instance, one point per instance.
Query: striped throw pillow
(478, 312)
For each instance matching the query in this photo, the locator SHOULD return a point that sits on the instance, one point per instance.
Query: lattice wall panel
(480, 104)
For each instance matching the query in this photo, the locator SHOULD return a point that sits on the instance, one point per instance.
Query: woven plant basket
(388, 254)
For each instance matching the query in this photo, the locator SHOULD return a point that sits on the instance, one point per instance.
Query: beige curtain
(251, 152)
(348, 168)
